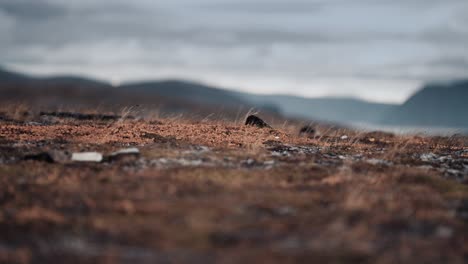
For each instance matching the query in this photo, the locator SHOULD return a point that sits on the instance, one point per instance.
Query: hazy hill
(329, 109)
(9, 76)
(344, 110)
(14, 78)
(73, 81)
(165, 97)
(443, 105)
(187, 95)
(187, 91)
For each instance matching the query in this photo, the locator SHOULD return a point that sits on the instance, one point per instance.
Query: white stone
(87, 157)
(428, 157)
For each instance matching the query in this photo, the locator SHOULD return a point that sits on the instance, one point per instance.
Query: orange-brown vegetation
(216, 191)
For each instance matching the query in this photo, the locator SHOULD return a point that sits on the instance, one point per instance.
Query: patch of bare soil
(217, 192)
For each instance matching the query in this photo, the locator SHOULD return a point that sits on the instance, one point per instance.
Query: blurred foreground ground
(221, 192)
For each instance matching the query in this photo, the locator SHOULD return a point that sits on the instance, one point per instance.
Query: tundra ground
(223, 192)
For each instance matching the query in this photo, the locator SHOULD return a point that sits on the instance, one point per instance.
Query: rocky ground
(182, 191)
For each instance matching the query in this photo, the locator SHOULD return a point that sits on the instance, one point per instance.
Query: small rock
(444, 232)
(453, 171)
(253, 120)
(87, 157)
(34, 123)
(126, 151)
(189, 163)
(309, 130)
(43, 156)
(120, 154)
(427, 157)
(444, 158)
(197, 150)
(201, 149)
(250, 161)
(60, 156)
(286, 210)
(280, 154)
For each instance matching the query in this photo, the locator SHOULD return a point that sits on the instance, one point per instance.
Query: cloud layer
(378, 50)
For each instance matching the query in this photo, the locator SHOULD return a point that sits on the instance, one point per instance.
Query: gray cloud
(239, 43)
(256, 7)
(31, 10)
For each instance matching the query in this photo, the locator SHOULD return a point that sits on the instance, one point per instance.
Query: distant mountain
(187, 91)
(177, 95)
(167, 97)
(442, 105)
(73, 81)
(342, 110)
(9, 76)
(436, 105)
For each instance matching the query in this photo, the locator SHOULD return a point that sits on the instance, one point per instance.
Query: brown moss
(257, 195)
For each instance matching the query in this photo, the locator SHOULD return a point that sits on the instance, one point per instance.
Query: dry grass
(255, 195)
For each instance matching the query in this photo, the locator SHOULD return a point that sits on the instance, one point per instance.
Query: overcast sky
(380, 50)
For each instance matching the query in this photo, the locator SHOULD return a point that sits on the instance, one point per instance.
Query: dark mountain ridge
(335, 109)
(436, 104)
(9, 76)
(183, 90)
